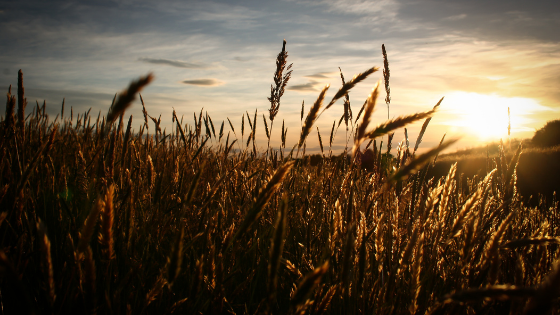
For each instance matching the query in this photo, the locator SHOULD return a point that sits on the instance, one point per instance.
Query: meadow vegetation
(99, 218)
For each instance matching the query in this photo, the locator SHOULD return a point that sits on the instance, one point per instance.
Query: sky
(219, 56)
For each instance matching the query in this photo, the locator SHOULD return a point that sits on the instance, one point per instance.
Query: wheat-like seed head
(311, 116)
(126, 97)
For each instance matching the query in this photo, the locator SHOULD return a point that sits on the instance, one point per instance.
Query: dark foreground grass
(98, 218)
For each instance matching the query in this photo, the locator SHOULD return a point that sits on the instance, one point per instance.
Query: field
(99, 218)
(537, 170)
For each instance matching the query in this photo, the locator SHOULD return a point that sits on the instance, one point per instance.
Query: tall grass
(98, 219)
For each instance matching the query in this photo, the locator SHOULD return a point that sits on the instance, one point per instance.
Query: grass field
(99, 218)
(537, 170)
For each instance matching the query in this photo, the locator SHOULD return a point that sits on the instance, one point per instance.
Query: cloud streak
(320, 75)
(174, 63)
(204, 82)
(307, 87)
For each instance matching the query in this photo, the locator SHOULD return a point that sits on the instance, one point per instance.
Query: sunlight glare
(486, 116)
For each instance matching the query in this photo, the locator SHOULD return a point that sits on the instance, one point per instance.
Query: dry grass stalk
(347, 108)
(362, 256)
(155, 291)
(231, 125)
(22, 102)
(448, 189)
(266, 127)
(9, 121)
(424, 127)
(320, 140)
(368, 110)
(386, 77)
(418, 162)
(440, 143)
(308, 284)
(416, 283)
(151, 173)
(221, 134)
(46, 260)
(347, 261)
(349, 85)
(492, 249)
(311, 117)
(126, 138)
(332, 135)
(337, 223)
(107, 219)
(126, 97)
(326, 301)
(396, 123)
(277, 247)
(280, 81)
(470, 204)
(283, 137)
(35, 161)
(264, 196)
(175, 260)
(89, 224)
(411, 244)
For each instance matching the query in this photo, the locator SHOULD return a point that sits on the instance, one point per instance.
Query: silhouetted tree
(547, 136)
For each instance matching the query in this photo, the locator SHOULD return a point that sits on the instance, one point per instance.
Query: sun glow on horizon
(486, 116)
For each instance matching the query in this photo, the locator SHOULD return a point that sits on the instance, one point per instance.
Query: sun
(486, 116)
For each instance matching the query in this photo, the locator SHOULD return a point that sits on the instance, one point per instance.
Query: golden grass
(164, 223)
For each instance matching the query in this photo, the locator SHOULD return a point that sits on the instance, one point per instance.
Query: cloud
(496, 20)
(307, 87)
(320, 75)
(174, 63)
(204, 82)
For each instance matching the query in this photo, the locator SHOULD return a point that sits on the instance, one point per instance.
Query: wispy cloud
(174, 63)
(307, 87)
(204, 82)
(320, 75)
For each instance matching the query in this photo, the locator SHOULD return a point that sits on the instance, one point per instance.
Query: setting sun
(486, 116)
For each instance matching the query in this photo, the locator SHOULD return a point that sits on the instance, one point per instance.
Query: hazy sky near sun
(483, 56)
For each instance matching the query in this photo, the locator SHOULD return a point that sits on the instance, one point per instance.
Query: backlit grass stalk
(107, 221)
(89, 224)
(277, 90)
(368, 107)
(386, 77)
(277, 246)
(47, 263)
(264, 196)
(311, 117)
